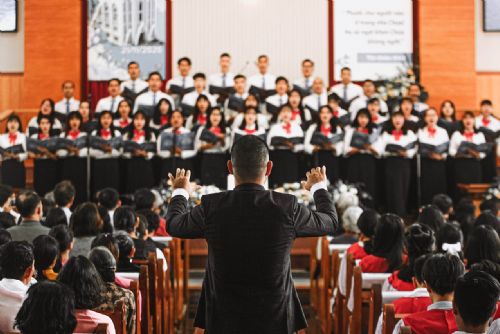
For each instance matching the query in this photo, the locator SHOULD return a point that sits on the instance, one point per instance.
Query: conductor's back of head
(250, 160)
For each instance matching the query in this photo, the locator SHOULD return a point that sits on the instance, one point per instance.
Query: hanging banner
(373, 38)
(121, 31)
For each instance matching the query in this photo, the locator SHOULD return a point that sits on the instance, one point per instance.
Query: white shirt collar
(440, 306)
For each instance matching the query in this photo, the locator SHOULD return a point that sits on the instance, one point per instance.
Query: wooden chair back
(180, 277)
(169, 297)
(313, 265)
(334, 320)
(118, 316)
(324, 284)
(162, 294)
(155, 300)
(146, 319)
(389, 319)
(134, 287)
(348, 283)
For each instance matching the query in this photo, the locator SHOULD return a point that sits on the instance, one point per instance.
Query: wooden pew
(155, 300)
(101, 329)
(334, 317)
(146, 319)
(180, 284)
(314, 292)
(118, 316)
(134, 287)
(162, 294)
(345, 299)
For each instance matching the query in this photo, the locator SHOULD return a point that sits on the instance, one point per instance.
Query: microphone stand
(87, 142)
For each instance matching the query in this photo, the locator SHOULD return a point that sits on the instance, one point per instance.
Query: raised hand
(315, 175)
(181, 179)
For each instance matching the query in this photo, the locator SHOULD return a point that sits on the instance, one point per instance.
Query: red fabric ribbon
(375, 118)
(295, 114)
(163, 119)
(124, 123)
(42, 136)
(202, 119)
(287, 127)
(397, 134)
(105, 133)
(325, 129)
(250, 131)
(74, 133)
(468, 135)
(12, 138)
(363, 130)
(432, 132)
(486, 122)
(336, 113)
(216, 130)
(138, 134)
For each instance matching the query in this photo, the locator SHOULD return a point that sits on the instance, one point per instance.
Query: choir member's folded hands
(353, 150)
(329, 147)
(315, 175)
(140, 153)
(207, 146)
(474, 154)
(436, 156)
(181, 180)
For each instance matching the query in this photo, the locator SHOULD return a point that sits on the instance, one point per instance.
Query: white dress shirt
(309, 148)
(347, 92)
(218, 79)
(12, 294)
(262, 121)
(65, 106)
(218, 148)
(190, 98)
(230, 113)
(151, 98)
(108, 103)
(277, 130)
(304, 83)
(136, 85)
(404, 140)
(266, 81)
(436, 139)
(20, 140)
(457, 138)
(420, 107)
(277, 101)
(491, 123)
(362, 102)
(315, 101)
(185, 82)
(68, 213)
(185, 154)
(494, 327)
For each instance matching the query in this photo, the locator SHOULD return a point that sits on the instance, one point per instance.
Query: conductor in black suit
(248, 286)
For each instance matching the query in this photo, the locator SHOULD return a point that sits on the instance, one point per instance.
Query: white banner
(373, 38)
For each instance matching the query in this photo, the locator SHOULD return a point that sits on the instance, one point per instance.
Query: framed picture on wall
(8, 15)
(491, 15)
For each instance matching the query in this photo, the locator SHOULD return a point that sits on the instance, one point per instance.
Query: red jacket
(399, 284)
(357, 251)
(432, 321)
(374, 264)
(410, 305)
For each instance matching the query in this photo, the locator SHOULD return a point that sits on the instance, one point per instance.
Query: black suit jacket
(248, 286)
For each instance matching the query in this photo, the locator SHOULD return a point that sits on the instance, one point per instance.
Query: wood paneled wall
(488, 87)
(11, 91)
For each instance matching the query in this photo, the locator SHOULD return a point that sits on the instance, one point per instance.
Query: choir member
(68, 103)
(199, 116)
(373, 106)
(361, 155)
(138, 161)
(300, 115)
(406, 107)
(252, 101)
(135, 85)
(447, 117)
(489, 125)
(123, 121)
(317, 98)
(285, 140)
(183, 83)
(303, 84)
(46, 108)
(148, 100)
(46, 167)
(398, 146)
(415, 94)
(189, 100)
(275, 101)
(433, 148)
(369, 91)
(388, 245)
(324, 140)
(161, 115)
(221, 83)
(465, 147)
(235, 104)
(74, 158)
(105, 157)
(111, 101)
(84, 110)
(262, 84)
(346, 89)
(180, 151)
(248, 126)
(342, 115)
(13, 145)
(212, 141)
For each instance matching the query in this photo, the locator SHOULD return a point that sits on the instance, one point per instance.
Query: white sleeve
(308, 147)
(159, 152)
(454, 143)
(397, 328)
(411, 152)
(347, 140)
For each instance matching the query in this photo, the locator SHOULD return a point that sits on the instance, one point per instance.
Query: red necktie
(363, 130)
(216, 130)
(163, 119)
(12, 138)
(42, 136)
(105, 133)
(432, 132)
(250, 131)
(138, 134)
(325, 130)
(74, 133)
(295, 114)
(123, 123)
(397, 134)
(202, 119)
(287, 127)
(486, 122)
(468, 135)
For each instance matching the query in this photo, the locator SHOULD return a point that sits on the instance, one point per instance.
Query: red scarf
(363, 130)
(216, 130)
(295, 114)
(105, 133)
(138, 134)
(124, 123)
(250, 131)
(287, 127)
(486, 122)
(468, 135)
(336, 113)
(432, 132)
(42, 136)
(163, 119)
(12, 138)
(177, 131)
(202, 118)
(375, 118)
(397, 134)
(74, 133)
(325, 130)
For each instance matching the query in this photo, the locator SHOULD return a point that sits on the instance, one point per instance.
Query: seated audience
(483, 244)
(493, 269)
(366, 225)
(4, 237)
(29, 205)
(432, 217)
(46, 251)
(126, 251)
(86, 224)
(7, 204)
(64, 195)
(444, 203)
(110, 200)
(488, 218)
(80, 275)
(48, 308)
(105, 264)
(349, 224)
(449, 239)
(56, 216)
(64, 238)
(17, 269)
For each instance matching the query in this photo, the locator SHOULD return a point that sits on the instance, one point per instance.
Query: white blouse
(20, 140)
(457, 138)
(98, 154)
(309, 148)
(438, 138)
(278, 130)
(404, 140)
(218, 148)
(185, 154)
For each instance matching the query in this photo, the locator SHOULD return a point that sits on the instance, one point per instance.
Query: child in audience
(444, 203)
(46, 251)
(13, 141)
(440, 273)
(126, 251)
(449, 239)
(419, 240)
(64, 238)
(493, 269)
(388, 242)
(483, 244)
(349, 226)
(366, 224)
(430, 216)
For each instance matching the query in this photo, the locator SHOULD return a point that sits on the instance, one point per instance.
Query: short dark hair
(63, 235)
(186, 59)
(418, 267)
(26, 203)
(486, 103)
(281, 78)
(307, 60)
(432, 217)
(49, 307)
(64, 192)
(5, 237)
(82, 277)
(86, 221)
(262, 56)
(239, 76)
(56, 216)
(114, 79)
(345, 68)
(483, 244)
(367, 222)
(107, 240)
(7, 220)
(489, 218)
(476, 297)
(133, 62)
(125, 245)
(108, 198)
(104, 262)
(151, 74)
(124, 219)
(225, 54)
(249, 156)
(5, 192)
(152, 218)
(15, 258)
(46, 250)
(107, 227)
(441, 272)
(489, 267)
(144, 199)
(199, 75)
(489, 205)
(443, 202)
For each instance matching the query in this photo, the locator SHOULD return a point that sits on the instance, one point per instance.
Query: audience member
(366, 224)
(5, 237)
(483, 244)
(29, 205)
(431, 216)
(126, 253)
(56, 216)
(444, 203)
(64, 196)
(86, 224)
(109, 199)
(46, 251)
(65, 239)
